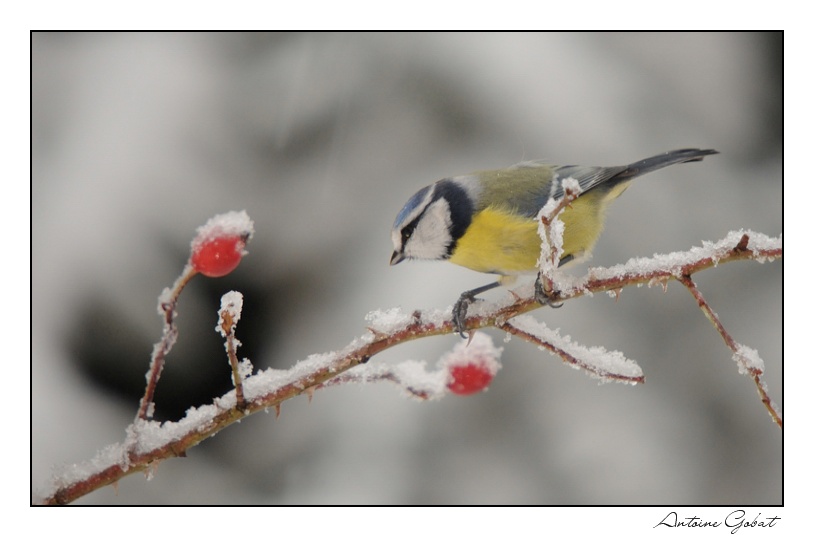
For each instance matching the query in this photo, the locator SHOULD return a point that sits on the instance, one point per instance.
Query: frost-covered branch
(598, 362)
(150, 442)
(467, 369)
(551, 230)
(231, 305)
(749, 363)
(166, 308)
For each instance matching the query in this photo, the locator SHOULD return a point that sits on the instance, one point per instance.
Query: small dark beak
(396, 258)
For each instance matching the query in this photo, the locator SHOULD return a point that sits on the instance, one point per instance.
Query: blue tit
(487, 221)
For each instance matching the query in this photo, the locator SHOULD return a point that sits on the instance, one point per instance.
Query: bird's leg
(542, 296)
(460, 307)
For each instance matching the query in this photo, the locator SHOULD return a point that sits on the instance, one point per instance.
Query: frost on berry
(471, 365)
(219, 244)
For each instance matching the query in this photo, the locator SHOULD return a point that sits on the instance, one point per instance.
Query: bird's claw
(459, 313)
(543, 297)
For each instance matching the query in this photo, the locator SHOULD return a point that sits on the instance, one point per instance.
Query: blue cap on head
(411, 205)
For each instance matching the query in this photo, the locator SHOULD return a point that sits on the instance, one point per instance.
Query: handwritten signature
(735, 520)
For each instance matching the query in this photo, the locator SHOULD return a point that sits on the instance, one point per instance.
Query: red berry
(218, 256)
(469, 378)
(471, 365)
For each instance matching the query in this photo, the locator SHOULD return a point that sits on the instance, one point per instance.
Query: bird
(487, 221)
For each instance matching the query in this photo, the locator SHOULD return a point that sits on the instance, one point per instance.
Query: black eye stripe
(408, 230)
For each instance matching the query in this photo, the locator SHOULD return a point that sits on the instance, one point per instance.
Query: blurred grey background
(139, 138)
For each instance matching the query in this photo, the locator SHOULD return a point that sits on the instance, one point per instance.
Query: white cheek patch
(431, 237)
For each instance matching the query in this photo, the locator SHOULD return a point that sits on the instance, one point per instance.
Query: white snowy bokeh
(138, 139)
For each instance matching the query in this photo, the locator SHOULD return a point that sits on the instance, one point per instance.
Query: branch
(749, 363)
(596, 361)
(659, 269)
(148, 442)
(166, 308)
(552, 231)
(231, 305)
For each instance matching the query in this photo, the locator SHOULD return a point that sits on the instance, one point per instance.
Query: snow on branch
(598, 362)
(467, 369)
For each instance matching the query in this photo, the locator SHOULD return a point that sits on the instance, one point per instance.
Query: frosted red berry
(218, 256)
(469, 378)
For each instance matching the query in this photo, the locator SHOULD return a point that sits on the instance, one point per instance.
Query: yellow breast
(500, 242)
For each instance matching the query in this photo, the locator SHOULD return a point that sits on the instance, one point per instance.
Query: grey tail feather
(658, 162)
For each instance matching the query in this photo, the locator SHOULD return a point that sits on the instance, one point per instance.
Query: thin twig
(388, 376)
(166, 308)
(738, 350)
(228, 326)
(569, 357)
(551, 235)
